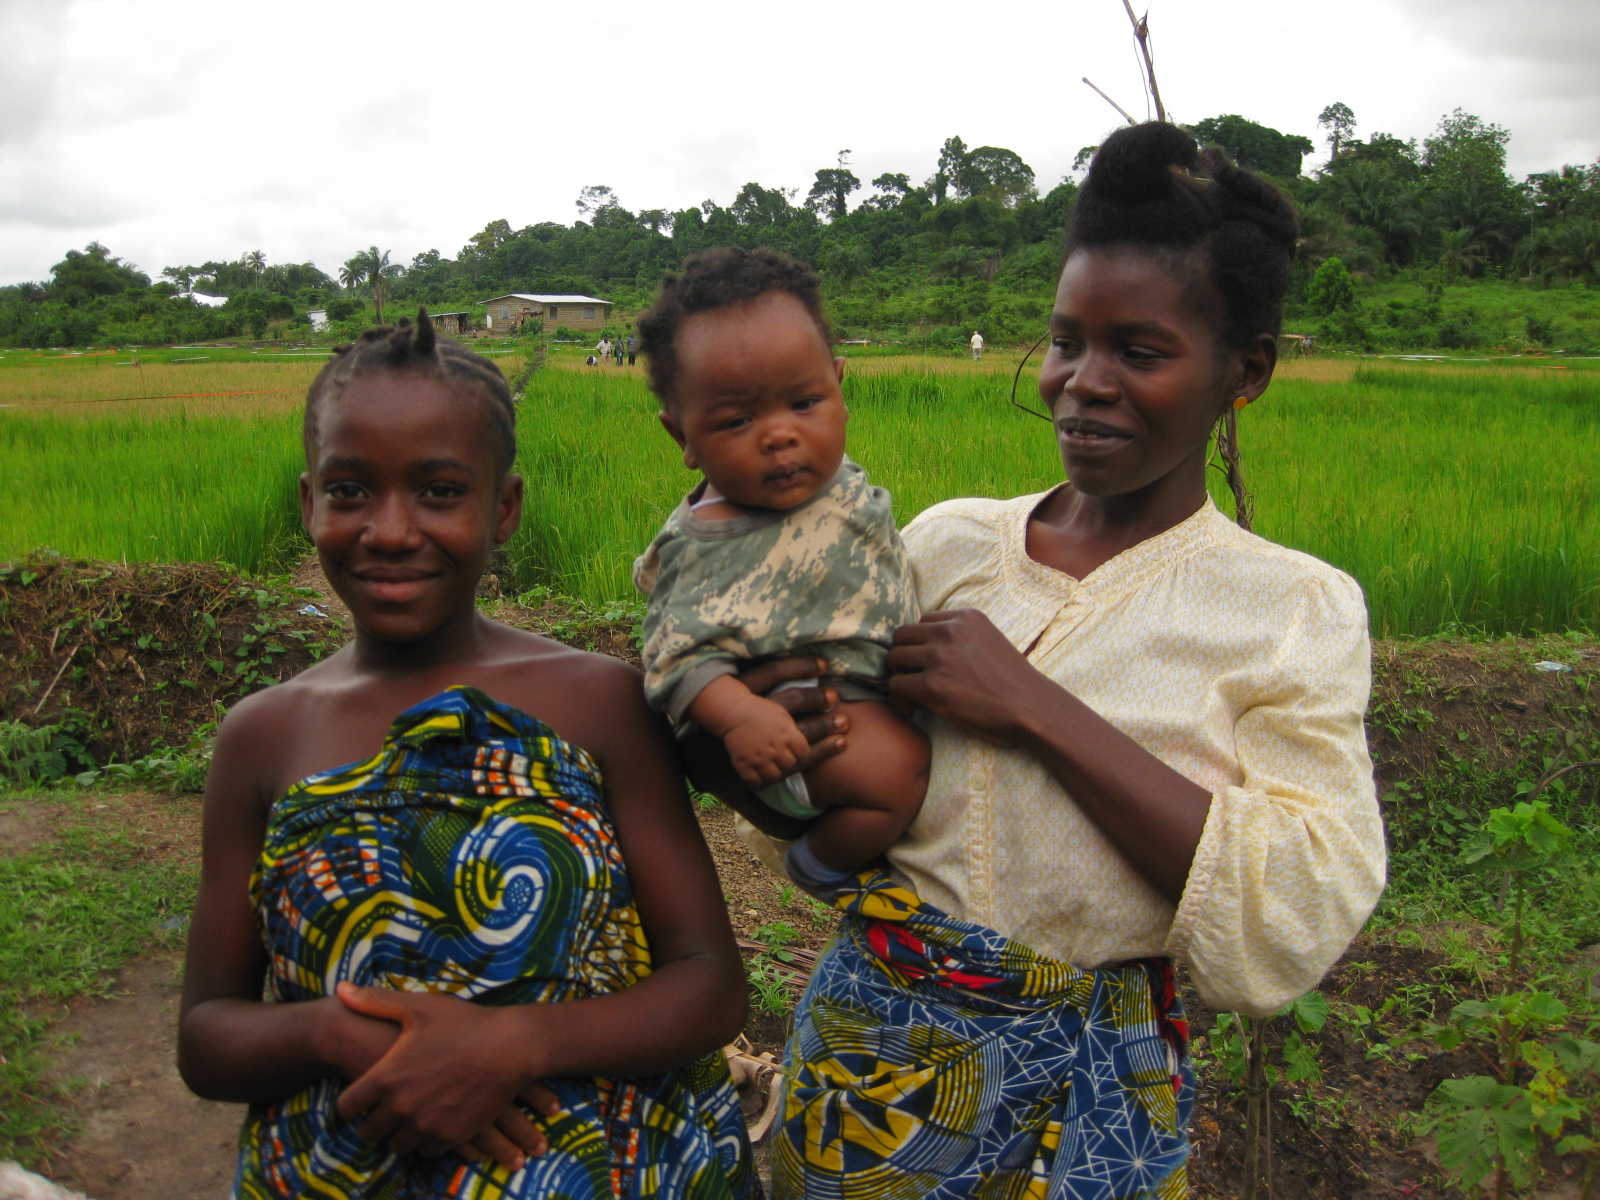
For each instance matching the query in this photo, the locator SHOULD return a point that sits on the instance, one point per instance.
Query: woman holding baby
(1146, 746)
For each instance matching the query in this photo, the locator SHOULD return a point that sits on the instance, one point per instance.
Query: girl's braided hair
(416, 349)
(720, 278)
(1151, 186)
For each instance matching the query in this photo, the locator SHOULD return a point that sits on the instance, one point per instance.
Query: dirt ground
(143, 1135)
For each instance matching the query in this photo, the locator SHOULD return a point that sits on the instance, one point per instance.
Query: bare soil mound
(127, 657)
(1441, 703)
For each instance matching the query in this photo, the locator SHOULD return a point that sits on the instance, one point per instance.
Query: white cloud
(176, 131)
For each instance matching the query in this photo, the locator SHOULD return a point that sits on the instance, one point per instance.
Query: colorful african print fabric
(473, 856)
(935, 1058)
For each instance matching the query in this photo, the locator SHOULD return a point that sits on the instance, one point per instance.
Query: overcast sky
(179, 132)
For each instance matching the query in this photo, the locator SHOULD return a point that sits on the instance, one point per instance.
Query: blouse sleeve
(1291, 861)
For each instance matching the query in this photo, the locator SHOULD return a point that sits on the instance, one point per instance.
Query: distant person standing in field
(997, 1015)
(977, 345)
(633, 347)
(619, 349)
(603, 348)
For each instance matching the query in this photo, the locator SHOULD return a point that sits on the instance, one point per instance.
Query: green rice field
(1463, 497)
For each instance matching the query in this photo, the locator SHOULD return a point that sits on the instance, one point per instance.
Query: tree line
(975, 244)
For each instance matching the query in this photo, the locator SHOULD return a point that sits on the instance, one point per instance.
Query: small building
(584, 313)
(452, 324)
(318, 318)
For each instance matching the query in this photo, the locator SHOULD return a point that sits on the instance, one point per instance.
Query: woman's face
(1136, 376)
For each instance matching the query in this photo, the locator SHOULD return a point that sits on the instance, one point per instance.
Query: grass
(209, 479)
(1462, 498)
(180, 488)
(71, 913)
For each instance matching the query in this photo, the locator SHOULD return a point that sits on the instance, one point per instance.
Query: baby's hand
(764, 743)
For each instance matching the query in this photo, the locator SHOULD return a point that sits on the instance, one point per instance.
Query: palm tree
(1460, 252)
(369, 266)
(257, 262)
(1576, 246)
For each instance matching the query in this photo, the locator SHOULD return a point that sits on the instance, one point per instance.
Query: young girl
(783, 548)
(1147, 745)
(459, 856)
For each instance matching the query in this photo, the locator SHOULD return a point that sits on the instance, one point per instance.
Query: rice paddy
(1463, 497)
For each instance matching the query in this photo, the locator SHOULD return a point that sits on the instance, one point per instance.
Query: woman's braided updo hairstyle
(416, 349)
(1151, 187)
(720, 278)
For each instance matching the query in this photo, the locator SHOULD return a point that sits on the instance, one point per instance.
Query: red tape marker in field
(175, 396)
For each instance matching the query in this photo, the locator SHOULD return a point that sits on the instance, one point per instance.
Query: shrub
(1460, 332)
(1542, 331)
(1332, 289)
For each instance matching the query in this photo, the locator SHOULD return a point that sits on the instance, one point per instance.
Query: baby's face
(758, 410)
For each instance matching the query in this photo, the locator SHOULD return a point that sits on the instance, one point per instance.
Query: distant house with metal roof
(452, 323)
(584, 313)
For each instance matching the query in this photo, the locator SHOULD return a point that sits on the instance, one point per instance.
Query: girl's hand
(960, 667)
(350, 1042)
(448, 1081)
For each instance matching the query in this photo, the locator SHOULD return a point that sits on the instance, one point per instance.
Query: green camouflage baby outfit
(828, 578)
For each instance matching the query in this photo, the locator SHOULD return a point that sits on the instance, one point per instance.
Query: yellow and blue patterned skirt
(473, 856)
(933, 1057)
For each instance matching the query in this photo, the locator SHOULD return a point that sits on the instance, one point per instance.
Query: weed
(69, 916)
(770, 986)
(35, 755)
(1494, 1125)
(776, 935)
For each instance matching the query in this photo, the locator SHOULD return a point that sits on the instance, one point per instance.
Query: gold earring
(1240, 403)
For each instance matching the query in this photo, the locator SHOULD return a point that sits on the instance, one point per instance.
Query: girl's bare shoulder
(534, 664)
(593, 700)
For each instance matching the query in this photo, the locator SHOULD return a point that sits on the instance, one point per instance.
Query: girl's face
(405, 501)
(1136, 376)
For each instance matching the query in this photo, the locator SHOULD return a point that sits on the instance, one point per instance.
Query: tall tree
(369, 266)
(93, 271)
(994, 172)
(1255, 146)
(257, 262)
(594, 197)
(951, 157)
(1340, 123)
(831, 191)
(761, 207)
(1467, 189)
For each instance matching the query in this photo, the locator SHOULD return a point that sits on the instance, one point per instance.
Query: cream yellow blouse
(1241, 664)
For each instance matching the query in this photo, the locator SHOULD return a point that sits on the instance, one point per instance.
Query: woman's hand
(960, 667)
(445, 1081)
(706, 758)
(812, 707)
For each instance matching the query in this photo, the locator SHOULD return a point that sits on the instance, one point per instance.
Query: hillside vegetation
(1406, 247)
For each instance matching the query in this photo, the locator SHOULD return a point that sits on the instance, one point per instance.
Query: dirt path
(144, 1135)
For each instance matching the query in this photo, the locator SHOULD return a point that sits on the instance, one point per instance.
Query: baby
(784, 549)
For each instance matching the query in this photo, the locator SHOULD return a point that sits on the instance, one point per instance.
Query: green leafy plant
(34, 755)
(770, 986)
(1493, 1125)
